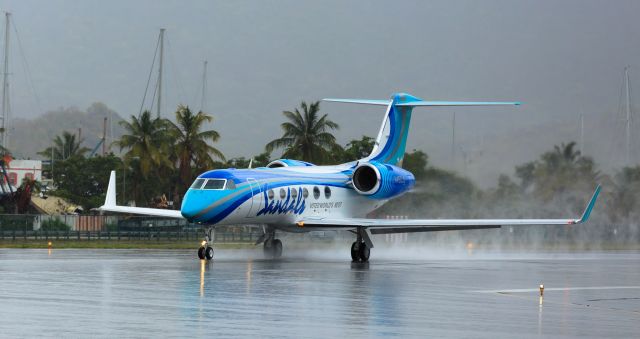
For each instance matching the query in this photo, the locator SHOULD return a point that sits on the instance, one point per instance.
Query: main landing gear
(272, 247)
(361, 248)
(206, 251)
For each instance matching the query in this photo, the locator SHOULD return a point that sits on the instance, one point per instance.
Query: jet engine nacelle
(288, 163)
(381, 181)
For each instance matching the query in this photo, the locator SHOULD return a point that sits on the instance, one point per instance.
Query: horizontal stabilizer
(417, 103)
(456, 103)
(361, 101)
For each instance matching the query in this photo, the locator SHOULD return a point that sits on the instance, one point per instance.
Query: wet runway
(153, 293)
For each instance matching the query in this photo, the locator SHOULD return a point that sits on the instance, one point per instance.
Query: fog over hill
(30, 136)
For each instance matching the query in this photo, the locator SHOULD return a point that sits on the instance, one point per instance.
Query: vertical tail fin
(392, 137)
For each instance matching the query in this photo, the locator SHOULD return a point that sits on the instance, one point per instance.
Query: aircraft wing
(386, 226)
(110, 204)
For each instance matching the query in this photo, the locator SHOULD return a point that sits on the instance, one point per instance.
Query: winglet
(592, 202)
(110, 200)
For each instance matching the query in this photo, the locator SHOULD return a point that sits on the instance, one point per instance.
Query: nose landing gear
(206, 250)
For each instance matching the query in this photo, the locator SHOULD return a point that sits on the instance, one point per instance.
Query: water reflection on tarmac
(149, 293)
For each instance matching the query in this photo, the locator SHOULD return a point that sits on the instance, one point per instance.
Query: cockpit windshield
(213, 184)
(198, 183)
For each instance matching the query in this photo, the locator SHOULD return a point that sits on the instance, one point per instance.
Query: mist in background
(561, 58)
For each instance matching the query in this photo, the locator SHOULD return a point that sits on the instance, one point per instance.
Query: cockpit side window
(231, 185)
(197, 184)
(214, 184)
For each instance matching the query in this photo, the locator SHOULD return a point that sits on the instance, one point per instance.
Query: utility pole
(160, 70)
(204, 87)
(628, 120)
(104, 137)
(5, 82)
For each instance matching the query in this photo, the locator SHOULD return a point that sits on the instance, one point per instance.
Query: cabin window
(305, 193)
(231, 185)
(282, 193)
(214, 184)
(198, 183)
(294, 194)
(327, 192)
(316, 192)
(270, 194)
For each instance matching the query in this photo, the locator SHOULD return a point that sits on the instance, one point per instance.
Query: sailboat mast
(204, 86)
(160, 70)
(628, 121)
(5, 81)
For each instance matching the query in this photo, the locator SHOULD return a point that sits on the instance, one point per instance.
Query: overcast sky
(558, 57)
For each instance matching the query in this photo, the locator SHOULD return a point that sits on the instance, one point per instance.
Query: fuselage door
(256, 197)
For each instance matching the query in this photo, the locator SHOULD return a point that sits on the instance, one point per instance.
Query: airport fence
(16, 227)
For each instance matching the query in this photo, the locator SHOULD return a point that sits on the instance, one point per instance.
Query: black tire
(201, 252)
(208, 253)
(267, 249)
(277, 248)
(355, 255)
(364, 252)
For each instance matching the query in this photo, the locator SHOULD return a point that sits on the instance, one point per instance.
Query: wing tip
(587, 211)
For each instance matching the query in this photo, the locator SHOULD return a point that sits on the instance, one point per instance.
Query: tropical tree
(64, 146)
(354, 150)
(147, 140)
(416, 163)
(306, 134)
(192, 145)
(84, 181)
(563, 169)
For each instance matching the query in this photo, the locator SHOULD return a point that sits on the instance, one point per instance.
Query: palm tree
(65, 147)
(147, 141)
(564, 169)
(191, 145)
(306, 135)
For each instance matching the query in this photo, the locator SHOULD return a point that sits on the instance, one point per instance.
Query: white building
(17, 170)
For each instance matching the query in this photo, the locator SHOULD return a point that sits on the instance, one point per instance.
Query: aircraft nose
(190, 208)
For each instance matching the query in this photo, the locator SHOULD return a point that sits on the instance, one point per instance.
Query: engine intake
(381, 181)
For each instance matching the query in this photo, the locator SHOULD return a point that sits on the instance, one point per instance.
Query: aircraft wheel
(277, 248)
(201, 253)
(364, 252)
(208, 252)
(355, 255)
(267, 249)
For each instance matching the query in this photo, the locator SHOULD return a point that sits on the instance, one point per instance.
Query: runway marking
(525, 290)
(514, 293)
